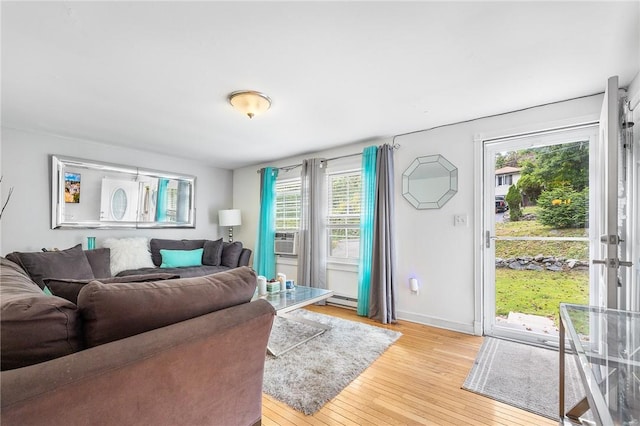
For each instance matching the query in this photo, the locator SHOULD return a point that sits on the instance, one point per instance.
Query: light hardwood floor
(416, 381)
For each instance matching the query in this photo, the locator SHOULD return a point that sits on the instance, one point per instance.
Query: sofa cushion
(34, 327)
(70, 263)
(100, 261)
(69, 289)
(181, 258)
(212, 254)
(115, 311)
(157, 244)
(231, 254)
(245, 256)
(128, 253)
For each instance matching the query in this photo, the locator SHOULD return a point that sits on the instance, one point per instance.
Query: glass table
(607, 345)
(290, 300)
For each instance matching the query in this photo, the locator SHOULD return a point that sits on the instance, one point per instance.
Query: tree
(512, 158)
(530, 186)
(563, 165)
(514, 199)
(563, 207)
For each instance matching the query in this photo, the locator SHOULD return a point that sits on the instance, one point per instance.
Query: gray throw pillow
(100, 261)
(70, 263)
(231, 254)
(212, 254)
(156, 244)
(69, 289)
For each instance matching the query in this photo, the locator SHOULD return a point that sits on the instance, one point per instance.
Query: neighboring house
(505, 177)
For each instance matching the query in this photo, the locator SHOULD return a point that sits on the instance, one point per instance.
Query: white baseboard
(436, 322)
(477, 328)
(343, 301)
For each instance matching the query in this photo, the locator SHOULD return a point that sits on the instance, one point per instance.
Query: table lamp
(230, 218)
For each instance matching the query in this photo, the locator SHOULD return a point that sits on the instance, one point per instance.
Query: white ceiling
(156, 75)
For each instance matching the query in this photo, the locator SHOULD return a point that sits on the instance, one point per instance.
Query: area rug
(524, 376)
(308, 376)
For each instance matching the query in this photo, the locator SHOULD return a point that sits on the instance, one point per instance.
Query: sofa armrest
(245, 255)
(206, 370)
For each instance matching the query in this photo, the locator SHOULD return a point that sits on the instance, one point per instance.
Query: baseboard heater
(343, 301)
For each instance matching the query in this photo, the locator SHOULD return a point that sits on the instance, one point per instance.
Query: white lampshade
(230, 217)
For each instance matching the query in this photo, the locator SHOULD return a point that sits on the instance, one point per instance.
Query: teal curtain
(264, 261)
(367, 209)
(161, 203)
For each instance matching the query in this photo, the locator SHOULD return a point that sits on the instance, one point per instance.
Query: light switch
(460, 220)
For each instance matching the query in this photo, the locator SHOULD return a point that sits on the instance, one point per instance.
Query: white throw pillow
(128, 253)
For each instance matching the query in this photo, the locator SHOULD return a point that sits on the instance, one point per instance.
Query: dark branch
(4, 206)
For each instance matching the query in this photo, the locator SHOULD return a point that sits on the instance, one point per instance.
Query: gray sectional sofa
(161, 351)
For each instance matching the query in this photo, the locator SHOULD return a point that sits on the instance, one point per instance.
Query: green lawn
(539, 292)
(567, 249)
(533, 228)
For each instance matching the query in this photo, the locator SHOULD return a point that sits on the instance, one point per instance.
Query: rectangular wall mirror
(92, 194)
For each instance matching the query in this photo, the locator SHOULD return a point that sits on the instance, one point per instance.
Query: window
(504, 180)
(343, 220)
(288, 197)
(172, 204)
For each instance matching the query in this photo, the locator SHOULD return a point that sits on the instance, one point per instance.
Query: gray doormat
(524, 376)
(308, 376)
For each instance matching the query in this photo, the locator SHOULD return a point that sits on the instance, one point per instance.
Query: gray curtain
(382, 305)
(312, 242)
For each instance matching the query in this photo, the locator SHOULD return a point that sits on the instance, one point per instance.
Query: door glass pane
(119, 204)
(540, 232)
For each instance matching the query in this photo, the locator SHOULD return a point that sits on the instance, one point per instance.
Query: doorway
(536, 230)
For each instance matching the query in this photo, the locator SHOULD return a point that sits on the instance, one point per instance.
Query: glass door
(614, 202)
(536, 227)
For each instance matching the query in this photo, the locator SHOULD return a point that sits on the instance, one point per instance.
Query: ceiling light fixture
(250, 102)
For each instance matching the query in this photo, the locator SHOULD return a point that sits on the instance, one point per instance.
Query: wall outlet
(460, 220)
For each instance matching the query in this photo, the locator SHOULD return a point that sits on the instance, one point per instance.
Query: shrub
(514, 199)
(563, 207)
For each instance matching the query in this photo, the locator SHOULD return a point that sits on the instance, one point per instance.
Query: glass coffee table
(287, 301)
(607, 345)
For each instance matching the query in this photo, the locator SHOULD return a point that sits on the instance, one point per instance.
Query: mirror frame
(58, 164)
(446, 196)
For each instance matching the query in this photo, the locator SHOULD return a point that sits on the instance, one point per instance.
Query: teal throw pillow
(181, 258)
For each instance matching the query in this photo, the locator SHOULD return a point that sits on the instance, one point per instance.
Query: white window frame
(329, 227)
(285, 182)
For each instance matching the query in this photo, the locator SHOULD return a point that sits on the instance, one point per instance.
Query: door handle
(611, 239)
(612, 263)
(488, 238)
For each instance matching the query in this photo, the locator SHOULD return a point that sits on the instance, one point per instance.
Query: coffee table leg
(321, 329)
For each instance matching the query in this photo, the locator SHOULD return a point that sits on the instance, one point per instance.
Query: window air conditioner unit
(286, 243)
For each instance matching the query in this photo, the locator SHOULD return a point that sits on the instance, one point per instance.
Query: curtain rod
(295, 166)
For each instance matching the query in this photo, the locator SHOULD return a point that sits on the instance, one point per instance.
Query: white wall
(26, 222)
(429, 247)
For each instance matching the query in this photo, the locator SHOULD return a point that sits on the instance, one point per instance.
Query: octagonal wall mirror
(92, 194)
(429, 182)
